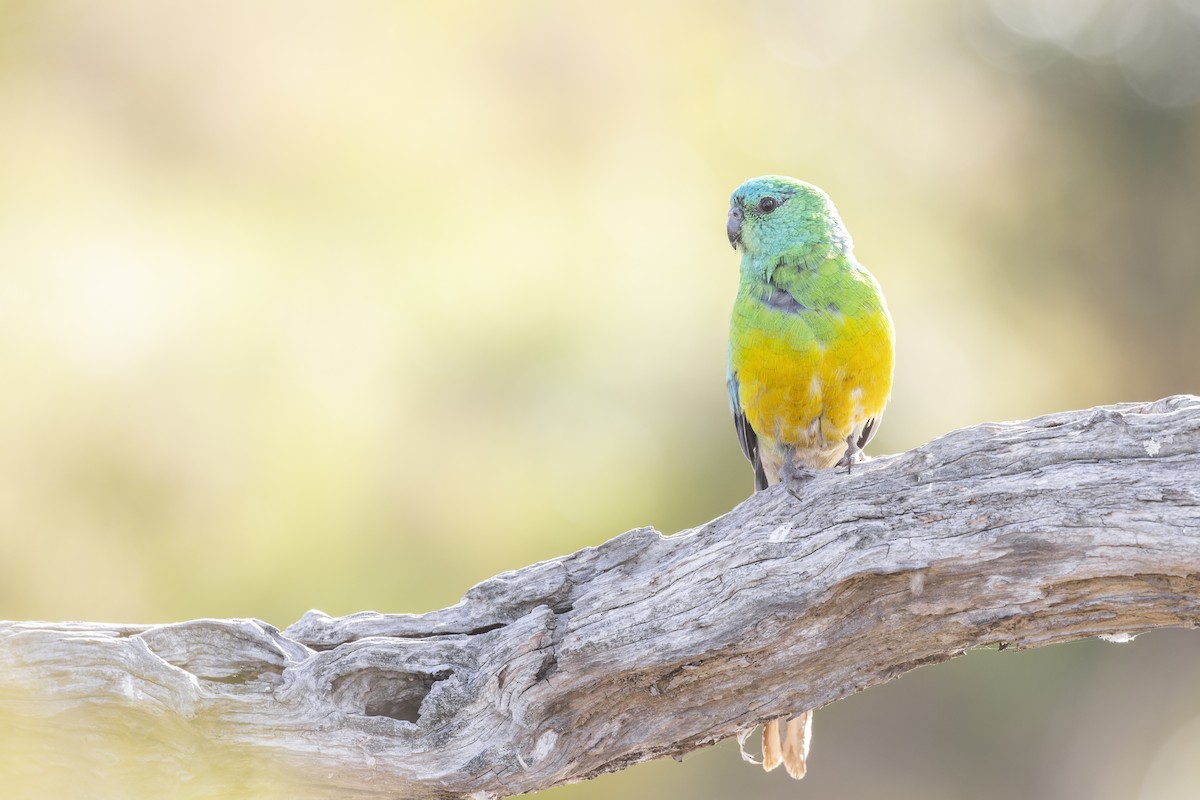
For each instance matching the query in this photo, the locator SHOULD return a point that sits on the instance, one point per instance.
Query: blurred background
(350, 306)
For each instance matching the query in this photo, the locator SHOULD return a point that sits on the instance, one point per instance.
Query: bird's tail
(789, 748)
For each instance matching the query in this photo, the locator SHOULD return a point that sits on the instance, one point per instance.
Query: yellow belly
(805, 396)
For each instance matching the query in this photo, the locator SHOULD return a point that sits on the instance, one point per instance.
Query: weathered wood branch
(1067, 526)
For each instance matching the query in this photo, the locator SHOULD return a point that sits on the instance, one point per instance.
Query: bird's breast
(808, 376)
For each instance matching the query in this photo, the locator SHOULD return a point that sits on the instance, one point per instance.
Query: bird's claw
(854, 455)
(792, 475)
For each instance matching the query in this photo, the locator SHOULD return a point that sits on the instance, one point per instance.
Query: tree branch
(1072, 525)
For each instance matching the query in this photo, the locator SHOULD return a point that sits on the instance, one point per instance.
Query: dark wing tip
(869, 429)
(760, 475)
(748, 439)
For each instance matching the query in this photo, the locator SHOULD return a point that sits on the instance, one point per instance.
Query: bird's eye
(767, 205)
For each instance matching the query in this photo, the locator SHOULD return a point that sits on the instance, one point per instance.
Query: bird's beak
(733, 226)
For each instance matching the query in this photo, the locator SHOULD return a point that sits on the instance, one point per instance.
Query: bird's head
(772, 216)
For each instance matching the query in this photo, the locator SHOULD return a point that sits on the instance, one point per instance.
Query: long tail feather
(772, 751)
(795, 746)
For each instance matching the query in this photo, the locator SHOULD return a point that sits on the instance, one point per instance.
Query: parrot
(811, 356)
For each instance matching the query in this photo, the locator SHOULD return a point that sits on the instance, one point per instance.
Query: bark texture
(1071, 525)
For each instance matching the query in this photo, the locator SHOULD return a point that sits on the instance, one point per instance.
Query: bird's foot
(854, 455)
(793, 476)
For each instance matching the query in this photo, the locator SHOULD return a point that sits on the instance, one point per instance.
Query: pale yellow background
(351, 305)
